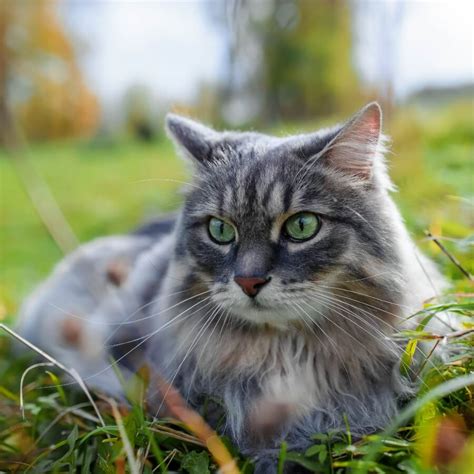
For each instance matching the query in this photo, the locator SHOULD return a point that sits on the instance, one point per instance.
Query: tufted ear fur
(353, 150)
(192, 139)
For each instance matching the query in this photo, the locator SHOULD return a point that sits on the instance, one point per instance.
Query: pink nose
(251, 285)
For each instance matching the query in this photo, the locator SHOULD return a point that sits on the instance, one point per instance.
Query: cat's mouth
(254, 303)
(259, 314)
(263, 308)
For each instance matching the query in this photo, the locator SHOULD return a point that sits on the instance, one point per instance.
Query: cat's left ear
(354, 149)
(193, 139)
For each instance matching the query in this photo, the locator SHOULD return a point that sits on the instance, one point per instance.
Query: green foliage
(307, 67)
(289, 60)
(196, 463)
(101, 189)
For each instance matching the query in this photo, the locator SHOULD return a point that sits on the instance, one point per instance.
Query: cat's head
(274, 226)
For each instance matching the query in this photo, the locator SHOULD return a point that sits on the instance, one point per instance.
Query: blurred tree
(289, 59)
(40, 80)
(139, 118)
(309, 71)
(377, 28)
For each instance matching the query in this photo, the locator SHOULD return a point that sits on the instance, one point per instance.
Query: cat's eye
(220, 231)
(302, 226)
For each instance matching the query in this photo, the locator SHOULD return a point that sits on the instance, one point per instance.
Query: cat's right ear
(192, 139)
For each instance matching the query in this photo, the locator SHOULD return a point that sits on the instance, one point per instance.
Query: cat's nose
(251, 285)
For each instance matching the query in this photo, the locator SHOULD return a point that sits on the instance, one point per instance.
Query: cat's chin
(260, 311)
(262, 315)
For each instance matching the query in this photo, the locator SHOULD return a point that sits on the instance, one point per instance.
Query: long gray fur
(313, 347)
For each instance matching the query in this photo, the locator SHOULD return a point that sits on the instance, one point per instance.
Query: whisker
(329, 319)
(123, 343)
(210, 312)
(303, 314)
(126, 321)
(161, 296)
(188, 352)
(402, 318)
(391, 349)
(372, 315)
(368, 277)
(336, 351)
(354, 322)
(203, 349)
(384, 336)
(154, 315)
(341, 303)
(398, 354)
(146, 338)
(365, 295)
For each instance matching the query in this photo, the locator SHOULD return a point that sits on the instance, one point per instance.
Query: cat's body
(285, 272)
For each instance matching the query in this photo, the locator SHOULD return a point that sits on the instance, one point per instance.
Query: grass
(109, 188)
(101, 190)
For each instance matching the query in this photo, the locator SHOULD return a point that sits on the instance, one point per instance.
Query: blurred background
(85, 84)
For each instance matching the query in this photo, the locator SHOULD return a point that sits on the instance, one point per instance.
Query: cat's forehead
(242, 147)
(253, 145)
(258, 188)
(253, 183)
(254, 177)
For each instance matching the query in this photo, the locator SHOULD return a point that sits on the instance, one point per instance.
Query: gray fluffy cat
(275, 289)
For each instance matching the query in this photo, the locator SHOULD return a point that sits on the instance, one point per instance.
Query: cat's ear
(354, 149)
(192, 138)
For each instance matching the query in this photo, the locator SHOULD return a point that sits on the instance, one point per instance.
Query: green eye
(220, 231)
(302, 226)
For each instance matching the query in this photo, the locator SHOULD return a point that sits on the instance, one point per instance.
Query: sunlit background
(85, 85)
(84, 88)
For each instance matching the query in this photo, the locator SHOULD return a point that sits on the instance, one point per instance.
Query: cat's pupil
(221, 227)
(301, 223)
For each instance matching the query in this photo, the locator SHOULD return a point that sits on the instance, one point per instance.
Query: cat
(274, 290)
